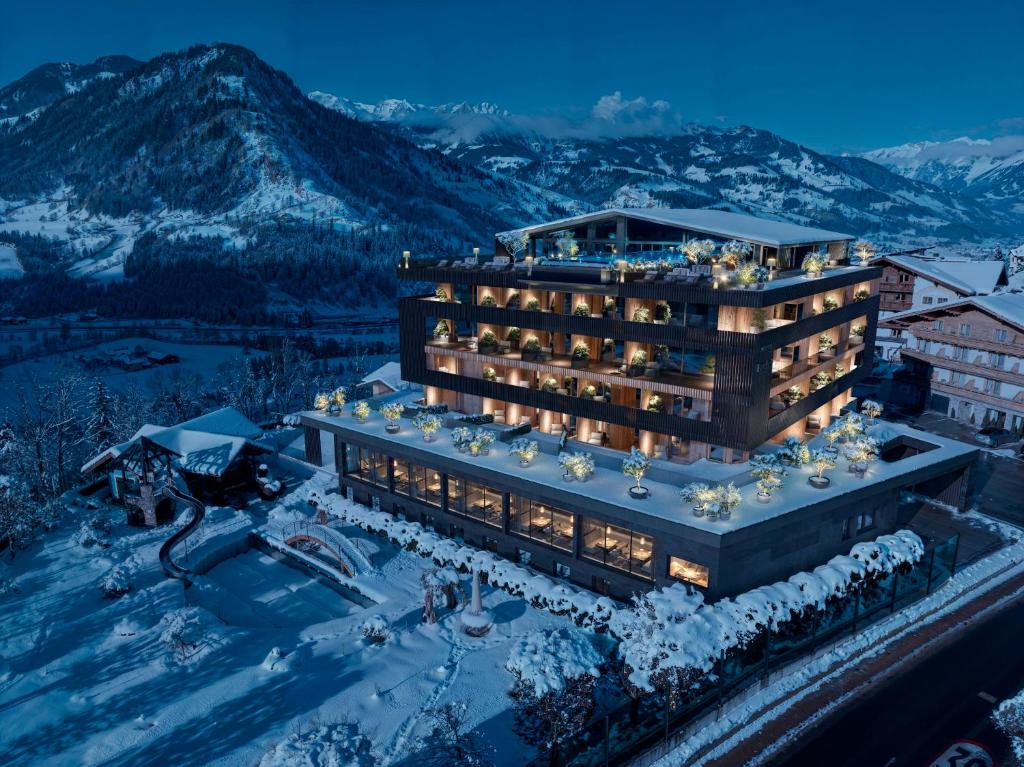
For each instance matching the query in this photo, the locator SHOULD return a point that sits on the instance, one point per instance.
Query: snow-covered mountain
(49, 82)
(212, 140)
(991, 171)
(391, 110)
(652, 161)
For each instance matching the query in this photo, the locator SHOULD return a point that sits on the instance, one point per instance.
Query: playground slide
(171, 568)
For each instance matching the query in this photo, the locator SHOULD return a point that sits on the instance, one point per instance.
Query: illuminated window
(542, 523)
(687, 571)
(618, 547)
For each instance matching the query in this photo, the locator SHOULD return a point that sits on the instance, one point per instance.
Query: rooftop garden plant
(641, 314)
(746, 273)
(321, 401)
(638, 360)
(337, 401)
(762, 273)
(440, 293)
(833, 434)
(441, 330)
(768, 471)
(792, 395)
(427, 423)
(578, 466)
(700, 495)
(524, 449)
(461, 437)
(635, 465)
(581, 310)
(794, 452)
(726, 499)
(871, 409)
(822, 460)
(814, 264)
(481, 442)
(566, 244)
(392, 412)
(361, 410)
(488, 300)
(514, 241)
(698, 251)
(533, 304)
(512, 301)
(735, 251)
(860, 453)
(852, 426)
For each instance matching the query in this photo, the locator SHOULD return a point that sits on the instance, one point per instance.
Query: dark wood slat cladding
(787, 334)
(701, 293)
(814, 400)
(311, 442)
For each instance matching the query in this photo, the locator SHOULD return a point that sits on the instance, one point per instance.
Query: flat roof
(610, 486)
(721, 223)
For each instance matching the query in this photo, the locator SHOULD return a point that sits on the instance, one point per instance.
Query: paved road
(908, 720)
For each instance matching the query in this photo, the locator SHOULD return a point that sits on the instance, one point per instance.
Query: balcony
(614, 373)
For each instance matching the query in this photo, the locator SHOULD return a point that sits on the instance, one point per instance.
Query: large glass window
(426, 485)
(542, 523)
(367, 465)
(687, 571)
(483, 503)
(618, 547)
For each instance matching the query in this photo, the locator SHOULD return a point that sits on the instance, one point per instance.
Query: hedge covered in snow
(671, 639)
(586, 609)
(668, 637)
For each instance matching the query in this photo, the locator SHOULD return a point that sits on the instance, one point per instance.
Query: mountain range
(213, 147)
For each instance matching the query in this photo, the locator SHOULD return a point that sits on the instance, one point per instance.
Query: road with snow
(909, 720)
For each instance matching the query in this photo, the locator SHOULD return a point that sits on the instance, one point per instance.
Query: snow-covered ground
(86, 680)
(10, 266)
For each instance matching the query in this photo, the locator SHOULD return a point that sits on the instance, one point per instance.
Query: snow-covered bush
(822, 460)
(860, 453)
(814, 264)
(118, 581)
(187, 634)
(333, 745)
(699, 494)
(321, 401)
(461, 437)
(670, 640)
(338, 398)
(553, 693)
(482, 441)
(1009, 718)
(852, 426)
(94, 531)
(727, 498)
(376, 630)
(524, 449)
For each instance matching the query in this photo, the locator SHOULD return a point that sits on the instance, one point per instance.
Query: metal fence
(632, 726)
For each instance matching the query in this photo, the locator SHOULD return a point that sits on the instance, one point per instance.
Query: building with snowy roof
(917, 280)
(968, 355)
(698, 339)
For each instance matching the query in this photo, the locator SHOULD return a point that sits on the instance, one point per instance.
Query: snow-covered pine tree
(100, 429)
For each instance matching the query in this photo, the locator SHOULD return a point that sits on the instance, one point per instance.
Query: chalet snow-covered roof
(715, 223)
(389, 374)
(207, 445)
(1005, 306)
(966, 276)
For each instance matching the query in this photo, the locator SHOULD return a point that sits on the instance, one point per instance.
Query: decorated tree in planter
(852, 426)
(638, 362)
(864, 250)
(461, 437)
(361, 410)
(822, 460)
(533, 304)
(524, 449)
(794, 452)
(860, 453)
(487, 340)
(825, 343)
(698, 251)
(441, 294)
(589, 391)
(514, 242)
(441, 330)
(746, 273)
(490, 374)
(579, 466)
(488, 300)
(513, 335)
(792, 395)
(768, 471)
(734, 252)
(655, 404)
(700, 495)
(814, 264)
(635, 465)
(829, 303)
(337, 400)
(580, 353)
(708, 368)
(427, 423)
(554, 673)
(727, 499)
(321, 401)
(581, 310)
(641, 314)
(392, 412)
(820, 379)
(833, 434)
(550, 385)
(481, 442)
(871, 409)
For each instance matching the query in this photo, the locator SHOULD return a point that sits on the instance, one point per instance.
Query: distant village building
(387, 379)
(916, 280)
(970, 353)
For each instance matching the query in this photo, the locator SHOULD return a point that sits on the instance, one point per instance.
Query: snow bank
(335, 745)
(548, 660)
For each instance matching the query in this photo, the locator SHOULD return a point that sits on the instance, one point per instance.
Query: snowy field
(86, 680)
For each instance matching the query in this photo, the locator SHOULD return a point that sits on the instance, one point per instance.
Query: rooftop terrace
(664, 480)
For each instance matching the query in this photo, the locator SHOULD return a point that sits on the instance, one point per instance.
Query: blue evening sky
(832, 75)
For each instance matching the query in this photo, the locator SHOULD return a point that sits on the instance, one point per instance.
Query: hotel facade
(693, 335)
